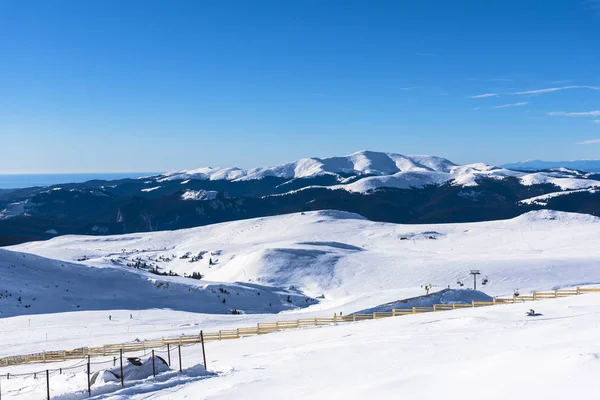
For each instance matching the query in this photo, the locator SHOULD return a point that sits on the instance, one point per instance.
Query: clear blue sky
(107, 85)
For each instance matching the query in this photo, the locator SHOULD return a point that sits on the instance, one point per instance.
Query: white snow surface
(542, 200)
(354, 263)
(199, 195)
(151, 189)
(385, 170)
(14, 209)
(494, 353)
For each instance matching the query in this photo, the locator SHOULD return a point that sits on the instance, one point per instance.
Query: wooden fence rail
(267, 327)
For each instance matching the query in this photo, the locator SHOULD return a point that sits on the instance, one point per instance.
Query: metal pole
(203, 352)
(48, 384)
(179, 358)
(88, 376)
(475, 272)
(169, 354)
(153, 367)
(121, 352)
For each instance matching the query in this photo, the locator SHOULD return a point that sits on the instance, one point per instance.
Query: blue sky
(106, 85)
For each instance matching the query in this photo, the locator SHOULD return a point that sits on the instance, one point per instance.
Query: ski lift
(516, 294)
(459, 283)
(484, 281)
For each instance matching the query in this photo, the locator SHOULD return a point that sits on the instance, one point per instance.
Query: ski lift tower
(475, 272)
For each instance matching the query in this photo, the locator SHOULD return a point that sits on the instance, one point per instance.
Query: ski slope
(490, 352)
(347, 262)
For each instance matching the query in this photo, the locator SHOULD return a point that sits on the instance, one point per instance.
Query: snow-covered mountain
(360, 163)
(373, 170)
(381, 186)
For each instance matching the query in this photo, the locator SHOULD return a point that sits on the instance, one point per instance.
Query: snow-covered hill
(30, 284)
(355, 263)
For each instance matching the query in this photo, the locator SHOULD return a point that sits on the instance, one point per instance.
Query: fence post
(219, 335)
(534, 296)
(315, 321)
(374, 315)
(354, 318)
(180, 369)
(578, 290)
(44, 356)
(414, 310)
(237, 332)
(121, 358)
(153, 366)
(473, 303)
(435, 307)
(169, 354)
(555, 293)
(494, 300)
(88, 377)
(454, 306)
(48, 384)
(203, 352)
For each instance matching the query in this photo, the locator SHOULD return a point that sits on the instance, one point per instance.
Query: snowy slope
(445, 296)
(31, 284)
(542, 200)
(356, 263)
(493, 353)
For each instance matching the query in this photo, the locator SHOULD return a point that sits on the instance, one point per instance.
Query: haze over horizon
(107, 86)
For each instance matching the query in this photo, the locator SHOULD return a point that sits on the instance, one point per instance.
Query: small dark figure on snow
(110, 318)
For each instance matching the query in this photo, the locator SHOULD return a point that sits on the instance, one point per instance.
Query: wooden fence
(267, 327)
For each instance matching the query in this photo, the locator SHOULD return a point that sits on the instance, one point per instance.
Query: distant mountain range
(536, 165)
(380, 186)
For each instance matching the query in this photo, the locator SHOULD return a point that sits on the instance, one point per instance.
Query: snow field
(349, 264)
(346, 262)
(490, 352)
